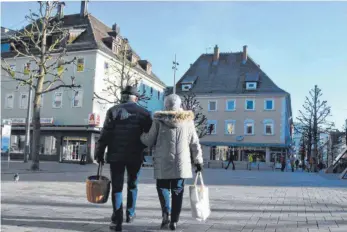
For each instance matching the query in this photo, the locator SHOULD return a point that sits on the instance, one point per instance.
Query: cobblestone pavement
(54, 200)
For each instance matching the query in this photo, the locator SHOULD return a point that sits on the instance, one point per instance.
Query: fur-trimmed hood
(174, 118)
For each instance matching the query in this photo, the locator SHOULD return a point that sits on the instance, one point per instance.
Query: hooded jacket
(176, 144)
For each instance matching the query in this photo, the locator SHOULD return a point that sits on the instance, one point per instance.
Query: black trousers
(117, 179)
(171, 205)
(231, 161)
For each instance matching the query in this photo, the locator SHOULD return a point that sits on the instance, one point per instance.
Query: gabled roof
(227, 76)
(91, 38)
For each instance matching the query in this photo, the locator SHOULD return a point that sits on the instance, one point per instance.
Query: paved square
(54, 200)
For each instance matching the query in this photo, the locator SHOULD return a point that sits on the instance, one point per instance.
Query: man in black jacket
(124, 124)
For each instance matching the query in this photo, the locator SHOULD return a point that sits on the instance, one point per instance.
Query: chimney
(60, 11)
(216, 53)
(244, 54)
(84, 8)
(115, 28)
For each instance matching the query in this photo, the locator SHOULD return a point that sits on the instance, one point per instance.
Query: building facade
(247, 113)
(72, 118)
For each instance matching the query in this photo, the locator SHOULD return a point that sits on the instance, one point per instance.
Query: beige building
(248, 112)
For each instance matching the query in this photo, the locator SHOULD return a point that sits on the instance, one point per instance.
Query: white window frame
(226, 105)
(6, 103)
(84, 64)
(73, 98)
(251, 83)
(209, 109)
(273, 104)
(209, 122)
(268, 122)
(53, 100)
(229, 121)
(249, 121)
(20, 100)
(253, 104)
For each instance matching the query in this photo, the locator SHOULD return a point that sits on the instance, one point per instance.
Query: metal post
(174, 67)
(27, 127)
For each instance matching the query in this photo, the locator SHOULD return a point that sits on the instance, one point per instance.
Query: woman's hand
(199, 168)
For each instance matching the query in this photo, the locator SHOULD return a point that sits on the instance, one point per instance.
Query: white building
(71, 118)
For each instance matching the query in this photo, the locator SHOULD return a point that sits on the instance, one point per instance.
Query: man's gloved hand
(100, 160)
(199, 168)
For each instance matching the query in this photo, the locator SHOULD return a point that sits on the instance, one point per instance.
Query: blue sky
(298, 44)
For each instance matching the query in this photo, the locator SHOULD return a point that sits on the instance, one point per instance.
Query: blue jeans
(176, 187)
(117, 179)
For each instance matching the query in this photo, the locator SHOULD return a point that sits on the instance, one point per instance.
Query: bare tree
(31, 42)
(314, 118)
(122, 73)
(190, 102)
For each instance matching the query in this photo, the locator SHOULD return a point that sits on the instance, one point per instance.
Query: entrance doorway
(72, 147)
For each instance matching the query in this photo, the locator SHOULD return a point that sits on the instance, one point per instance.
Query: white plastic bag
(199, 199)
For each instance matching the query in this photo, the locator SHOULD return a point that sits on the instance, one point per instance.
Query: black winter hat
(130, 90)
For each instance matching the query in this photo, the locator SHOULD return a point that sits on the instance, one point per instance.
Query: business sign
(94, 119)
(22, 121)
(239, 138)
(6, 136)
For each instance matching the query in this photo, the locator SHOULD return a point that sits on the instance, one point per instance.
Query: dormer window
(188, 82)
(186, 87)
(251, 85)
(252, 80)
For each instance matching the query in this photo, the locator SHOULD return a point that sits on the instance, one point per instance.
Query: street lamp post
(27, 126)
(174, 67)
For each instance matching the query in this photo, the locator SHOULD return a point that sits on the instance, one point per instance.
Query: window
(26, 69)
(6, 47)
(143, 88)
(268, 127)
(230, 105)
(212, 127)
(251, 85)
(9, 101)
(80, 64)
(13, 70)
(57, 100)
(250, 104)
(249, 127)
(23, 101)
(230, 127)
(151, 91)
(106, 68)
(60, 66)
(158, 95)
(269, 104)
(77, 98)
(212, 106)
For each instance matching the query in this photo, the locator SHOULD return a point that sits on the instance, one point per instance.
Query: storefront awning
(278, 145)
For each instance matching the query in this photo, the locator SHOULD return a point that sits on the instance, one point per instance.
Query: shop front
(58, 143)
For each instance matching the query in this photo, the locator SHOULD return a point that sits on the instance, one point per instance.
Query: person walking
(250, 161)
(297, 164)
(175, 138)
(292, 162)
(123, 126)
(283, 163)
(231, 160)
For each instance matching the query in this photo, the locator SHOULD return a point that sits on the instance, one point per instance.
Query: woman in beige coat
(176, 143)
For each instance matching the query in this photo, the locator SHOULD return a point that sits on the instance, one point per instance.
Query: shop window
(74, 147)
(48, 145)
(17, 143)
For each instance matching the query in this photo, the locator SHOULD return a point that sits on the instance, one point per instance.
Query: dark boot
(130, 219)
(166, 221)
(173, 225)
(116, 226)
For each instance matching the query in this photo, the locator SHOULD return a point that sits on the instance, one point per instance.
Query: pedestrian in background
(231, 159)
(174, 135)
(124, 124)
(297, 164)
(292, 159)
(250, 161)
(283, 163)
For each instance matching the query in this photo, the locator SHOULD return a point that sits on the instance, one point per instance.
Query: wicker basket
(98, 188)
